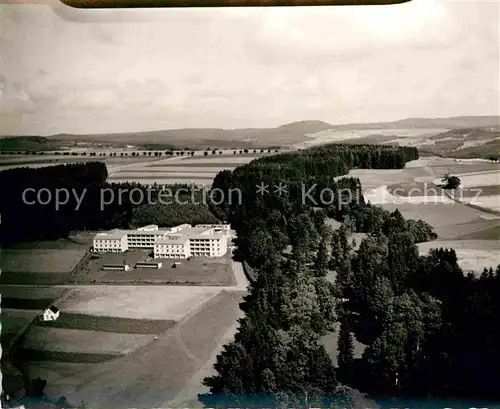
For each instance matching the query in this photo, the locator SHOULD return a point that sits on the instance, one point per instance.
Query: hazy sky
(77, 71)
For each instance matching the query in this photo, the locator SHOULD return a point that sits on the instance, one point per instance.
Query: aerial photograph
(250, 207)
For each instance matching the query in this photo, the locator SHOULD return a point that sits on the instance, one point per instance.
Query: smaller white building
(149, 264)
(114, 241)
(50, 314)
(115, 267)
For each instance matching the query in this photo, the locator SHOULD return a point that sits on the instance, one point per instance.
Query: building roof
(148, 232)
(149, 227)
(112, 234)
(54, 309)
(182, 233)
(208, 234)
(115, 265)
(196, 231)
(176, 240)
(181, 227)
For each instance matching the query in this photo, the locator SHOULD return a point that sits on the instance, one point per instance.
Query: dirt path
(140, 165)
(170, 368)
(188, 397)
(161, 370)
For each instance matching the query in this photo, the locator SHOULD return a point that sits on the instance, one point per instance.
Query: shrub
(451, 182)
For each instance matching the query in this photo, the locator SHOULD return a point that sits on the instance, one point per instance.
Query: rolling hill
(285, 135)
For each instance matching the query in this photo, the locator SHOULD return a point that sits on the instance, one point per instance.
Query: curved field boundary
(71, 357)
(108, 324)
(475, 207)
(252, 277)
(13, 351)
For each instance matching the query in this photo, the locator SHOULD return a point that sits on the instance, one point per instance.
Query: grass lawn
(197, 271)
(33, 278)
(13, 320)
(492, 233)
(243, 158)
(60, 356)
(483, 190)
(208, 325)
(146, 180)
(457, 168)
(416, 189)
(40, 260)
(475, 229)
(138, 302)
(28, 298)
(214, 165)
(133, 175)
(43, 338)
(26, 160)
(165, 171)
(80, 241)
(410, 189)
(29, 292)
(108, 324)
(437, 214)
(26, 303)
(470, 180)
(472, 255)
(152, 376)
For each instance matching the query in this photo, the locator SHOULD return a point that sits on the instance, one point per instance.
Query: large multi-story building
(183, 241)
(144, 237)
(199, 241)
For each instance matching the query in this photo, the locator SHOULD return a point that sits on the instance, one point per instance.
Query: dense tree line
(50, 202)
(414, 313)
(312, 178)
(277, 354)
(277, 357)
(429, 328)
(173, 214)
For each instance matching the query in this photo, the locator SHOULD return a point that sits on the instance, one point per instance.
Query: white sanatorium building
(183, 241)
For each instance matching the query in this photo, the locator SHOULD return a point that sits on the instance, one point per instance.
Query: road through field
(169, 368)
(187, 397)
(112, 169)
(157, 373)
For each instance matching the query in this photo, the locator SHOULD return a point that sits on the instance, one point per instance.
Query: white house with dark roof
(50, 314)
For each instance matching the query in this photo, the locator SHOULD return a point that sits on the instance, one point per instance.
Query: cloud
(13, 98)
(134, 70)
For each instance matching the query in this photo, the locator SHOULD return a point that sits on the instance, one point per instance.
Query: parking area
(215, 271)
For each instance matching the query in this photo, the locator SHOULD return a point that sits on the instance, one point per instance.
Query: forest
(90, 203)
(428, 328)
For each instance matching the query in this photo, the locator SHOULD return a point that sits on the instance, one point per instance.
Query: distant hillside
(465, 143)
(202, 138)
(285, 135)
(458, 143)
(305, 127)
(28, 143)
(456, 122)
